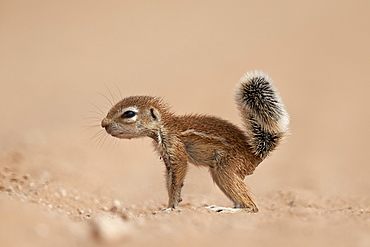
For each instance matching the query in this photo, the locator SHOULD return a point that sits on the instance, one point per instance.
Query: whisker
(96, 137)
(110, 142)
(93, 123)
(95, 118)
(100, 111)
(92, 126)
(115, 143)
(110, 102)
(90, 122)
(119, 90)
(104, 140)
(99, 139)
(111, 94)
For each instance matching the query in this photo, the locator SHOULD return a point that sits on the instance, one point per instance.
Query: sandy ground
(63, 182)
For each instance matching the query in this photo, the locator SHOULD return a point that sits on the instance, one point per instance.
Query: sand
(64, 182)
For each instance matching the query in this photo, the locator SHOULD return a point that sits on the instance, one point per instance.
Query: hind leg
(235, 189)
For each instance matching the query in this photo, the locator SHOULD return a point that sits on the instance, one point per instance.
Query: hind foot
(232, 210)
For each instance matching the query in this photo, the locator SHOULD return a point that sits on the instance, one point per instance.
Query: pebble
(63, 192)
(116, 203)
(110, 230)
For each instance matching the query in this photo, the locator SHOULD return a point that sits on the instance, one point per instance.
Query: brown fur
(199, 139)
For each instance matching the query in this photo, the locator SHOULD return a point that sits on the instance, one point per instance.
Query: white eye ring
(129, 114)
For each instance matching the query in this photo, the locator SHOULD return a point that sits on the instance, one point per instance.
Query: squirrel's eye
(128, 114)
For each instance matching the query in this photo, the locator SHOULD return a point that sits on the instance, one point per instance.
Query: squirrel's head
(135, 116)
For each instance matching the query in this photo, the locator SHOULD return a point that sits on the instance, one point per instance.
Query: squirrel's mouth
(118, 134)
(112, 131)
(115, 134)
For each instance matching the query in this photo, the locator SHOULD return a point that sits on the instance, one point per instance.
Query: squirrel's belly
(203, 155)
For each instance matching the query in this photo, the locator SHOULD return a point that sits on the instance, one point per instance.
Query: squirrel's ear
(154, 114)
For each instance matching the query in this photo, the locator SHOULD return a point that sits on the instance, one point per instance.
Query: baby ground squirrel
(229, 152)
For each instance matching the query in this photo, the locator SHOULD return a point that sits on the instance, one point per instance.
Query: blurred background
(61, 60)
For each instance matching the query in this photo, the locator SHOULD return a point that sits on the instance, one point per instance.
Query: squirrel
(229, 152)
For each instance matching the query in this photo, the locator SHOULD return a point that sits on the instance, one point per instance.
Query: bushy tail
(263, 112)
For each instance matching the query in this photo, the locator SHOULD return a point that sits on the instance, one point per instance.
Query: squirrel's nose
(105, 122)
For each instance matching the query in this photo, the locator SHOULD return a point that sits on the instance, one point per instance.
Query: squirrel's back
(263, 113)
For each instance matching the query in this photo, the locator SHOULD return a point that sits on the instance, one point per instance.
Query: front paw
(168, 210)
